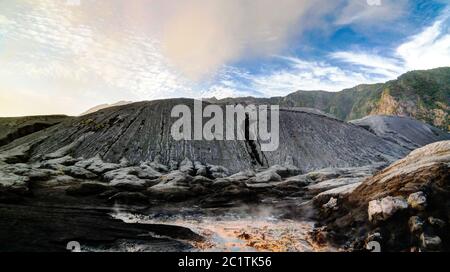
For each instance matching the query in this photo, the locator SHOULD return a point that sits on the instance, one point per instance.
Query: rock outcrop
(397, 203)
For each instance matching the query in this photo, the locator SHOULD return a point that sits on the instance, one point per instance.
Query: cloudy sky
(65, 56)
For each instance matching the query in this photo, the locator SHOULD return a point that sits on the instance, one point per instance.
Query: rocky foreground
(405, 207)
(74, 179)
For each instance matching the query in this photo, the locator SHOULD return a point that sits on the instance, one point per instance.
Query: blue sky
(64, 56)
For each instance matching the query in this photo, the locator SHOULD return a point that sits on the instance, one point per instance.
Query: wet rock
(79, 172)
(415, 224)
(129, 198)
(436, 222)
(381, 210)
(331, 205)
(374, 237)
(86, 189)
(429, 242)
(218, 171)
(418, 201)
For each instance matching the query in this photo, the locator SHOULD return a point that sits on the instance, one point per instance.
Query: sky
(65, 56)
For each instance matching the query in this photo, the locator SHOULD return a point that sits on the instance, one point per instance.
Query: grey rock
(79, 172)
(415, 225)
(98, 166)
(157, 165)
(173, 165)
(218, 171)
(436, 222)
(40, 174)
(54, 163)
(242, 176)
(332, 184)
(418, 201)
(385, 208)
(337, 193)
(331, 205)
(187, 166)
(129, 183)
(202, 180)
(268, 175)
(200, 169)
(430, 242)
(173, 186)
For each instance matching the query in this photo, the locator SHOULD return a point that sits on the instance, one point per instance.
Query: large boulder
(385, 208)
(395, 201)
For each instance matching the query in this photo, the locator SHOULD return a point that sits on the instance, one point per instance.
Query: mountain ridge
(423, 95)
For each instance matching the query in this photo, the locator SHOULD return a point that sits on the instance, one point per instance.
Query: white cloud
(375, 64)
(428, 49)
(371, 12)
(92, 53)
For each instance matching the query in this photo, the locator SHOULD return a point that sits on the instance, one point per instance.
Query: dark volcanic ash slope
(141, 132)
(405, 131)
(12, 128)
